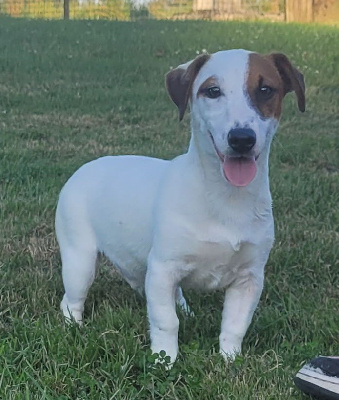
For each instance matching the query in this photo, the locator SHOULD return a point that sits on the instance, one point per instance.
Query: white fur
(177, 223)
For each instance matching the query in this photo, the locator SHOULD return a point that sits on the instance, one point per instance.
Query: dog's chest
(218, 259)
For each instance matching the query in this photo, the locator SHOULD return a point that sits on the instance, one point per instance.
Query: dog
(202, 220)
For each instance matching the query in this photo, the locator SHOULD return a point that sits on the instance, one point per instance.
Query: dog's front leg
(160, 290)
(241, 300)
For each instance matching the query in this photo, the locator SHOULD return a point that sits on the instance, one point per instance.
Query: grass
(74, 91)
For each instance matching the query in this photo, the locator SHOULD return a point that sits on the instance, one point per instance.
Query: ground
(76, 90)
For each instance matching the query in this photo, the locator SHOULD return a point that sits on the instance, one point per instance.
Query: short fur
(167, 224)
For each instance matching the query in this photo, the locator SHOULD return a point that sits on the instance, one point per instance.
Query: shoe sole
(316, 384)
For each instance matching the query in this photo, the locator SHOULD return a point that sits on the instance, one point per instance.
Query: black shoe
(320, 378)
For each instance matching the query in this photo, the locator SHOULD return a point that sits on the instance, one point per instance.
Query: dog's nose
(241, 139)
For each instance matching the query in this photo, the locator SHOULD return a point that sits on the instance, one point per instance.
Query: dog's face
(236, 102)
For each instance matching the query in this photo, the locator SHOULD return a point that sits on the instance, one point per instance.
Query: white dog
(203, 220)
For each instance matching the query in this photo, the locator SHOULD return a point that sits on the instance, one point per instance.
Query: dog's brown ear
(179, 82)
(292, 78)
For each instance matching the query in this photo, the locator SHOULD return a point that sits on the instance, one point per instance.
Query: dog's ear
(292, 78)
(180, 80)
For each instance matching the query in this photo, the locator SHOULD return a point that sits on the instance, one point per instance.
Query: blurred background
(322, 11)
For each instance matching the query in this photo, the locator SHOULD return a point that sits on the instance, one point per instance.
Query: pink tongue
(239, 171)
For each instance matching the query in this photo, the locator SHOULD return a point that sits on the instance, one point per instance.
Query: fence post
(299, 10)
(66, 9)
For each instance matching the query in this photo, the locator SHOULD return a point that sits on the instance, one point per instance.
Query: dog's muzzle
(241, 140)
(239, 168)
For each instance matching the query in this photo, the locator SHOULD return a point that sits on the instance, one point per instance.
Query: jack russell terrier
(202, 220)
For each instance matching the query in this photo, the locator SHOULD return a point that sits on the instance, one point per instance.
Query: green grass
(74, 91)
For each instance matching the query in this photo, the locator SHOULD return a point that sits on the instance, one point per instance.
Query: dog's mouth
(239, 170)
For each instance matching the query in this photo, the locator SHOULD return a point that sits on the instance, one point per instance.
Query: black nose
(241, 139)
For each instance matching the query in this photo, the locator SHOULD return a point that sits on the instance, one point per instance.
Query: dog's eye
(213, 92)
(266, 92)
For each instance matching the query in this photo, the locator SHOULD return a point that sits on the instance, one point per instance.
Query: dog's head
(236, 102)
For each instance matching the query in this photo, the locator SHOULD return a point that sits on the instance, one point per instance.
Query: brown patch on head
(209, 82)
(179, 83)
(262, 73)
(270, 77)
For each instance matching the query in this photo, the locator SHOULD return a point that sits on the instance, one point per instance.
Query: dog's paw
(230, 352)
(182, 303)
(71, 315)
(186, 309)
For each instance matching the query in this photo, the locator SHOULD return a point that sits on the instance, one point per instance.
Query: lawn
(77, 90)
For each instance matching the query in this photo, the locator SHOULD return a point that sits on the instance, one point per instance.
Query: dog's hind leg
(182, 303)
(78, 272)
(78, 251)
